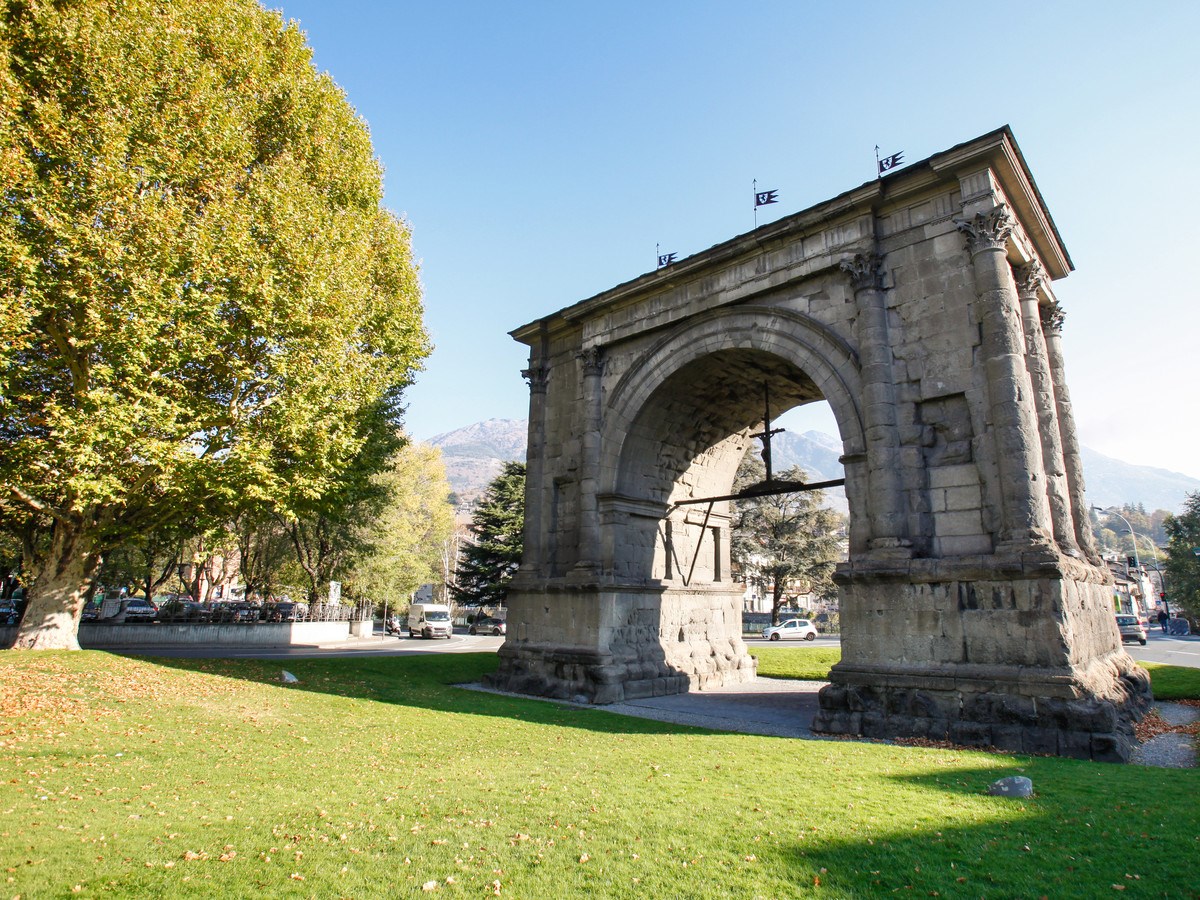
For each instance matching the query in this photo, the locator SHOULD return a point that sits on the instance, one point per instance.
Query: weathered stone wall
(919, 306)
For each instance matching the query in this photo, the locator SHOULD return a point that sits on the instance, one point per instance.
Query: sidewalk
(770, 706)
(779, 707)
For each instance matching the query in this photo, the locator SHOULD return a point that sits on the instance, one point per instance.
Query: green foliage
(208, 778)
(407, 540)
(1183, 565)
(784, 542)
(203, 300)
(1113, 534)
(146, 562)
(489, 562)
(264, 551)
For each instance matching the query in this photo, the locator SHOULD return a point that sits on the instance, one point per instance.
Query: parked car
(286, 611)
(1131, 629)
(791, 630)
(91, 611)
(184, 611)
(240, 613)
(138, 609)
(487, 625)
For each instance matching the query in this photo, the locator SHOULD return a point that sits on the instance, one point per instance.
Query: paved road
(1162, 648)
(1177, 651)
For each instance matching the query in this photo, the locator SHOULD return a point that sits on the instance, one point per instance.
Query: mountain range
(473, 456)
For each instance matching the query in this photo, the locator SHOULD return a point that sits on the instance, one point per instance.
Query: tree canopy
(784, 542)
(202, 296)
(1183, 563)
(407, 539)
(489, 562)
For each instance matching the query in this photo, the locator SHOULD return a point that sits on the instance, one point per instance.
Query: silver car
(1131, 629)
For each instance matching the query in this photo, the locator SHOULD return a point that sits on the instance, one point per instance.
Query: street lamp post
(1133, 536)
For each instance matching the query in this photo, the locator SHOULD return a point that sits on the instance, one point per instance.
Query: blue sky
(541, 150)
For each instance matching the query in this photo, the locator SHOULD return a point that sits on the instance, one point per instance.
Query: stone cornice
(996, 150)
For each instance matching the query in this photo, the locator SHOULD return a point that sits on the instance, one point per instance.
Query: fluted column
(1030, 279)
(1025, 510)
(1052, 319)
(591, 362)
(887, 517)
(538, 377)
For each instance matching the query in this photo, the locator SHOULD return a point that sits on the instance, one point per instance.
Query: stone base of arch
(625, 642)
(1027, 659)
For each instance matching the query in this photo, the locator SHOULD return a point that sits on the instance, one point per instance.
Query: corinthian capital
(538, 377)
(591, 359)
(1052, 317)
(1029, 278)
(989, 230)
(865, 271)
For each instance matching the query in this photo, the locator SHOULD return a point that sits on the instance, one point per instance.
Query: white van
(429, 620)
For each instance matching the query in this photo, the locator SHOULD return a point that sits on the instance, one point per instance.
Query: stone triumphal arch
(974, 605)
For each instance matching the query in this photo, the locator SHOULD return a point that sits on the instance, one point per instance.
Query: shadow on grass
(426, 681)
(1088, 830)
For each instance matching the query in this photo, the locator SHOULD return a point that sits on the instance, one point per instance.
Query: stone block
(1111, 748)
(953, 476)
(962, 523)
(971, 734)
(966, 497)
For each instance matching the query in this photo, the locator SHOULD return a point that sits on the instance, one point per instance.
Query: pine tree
(488, 565)
(785, 538)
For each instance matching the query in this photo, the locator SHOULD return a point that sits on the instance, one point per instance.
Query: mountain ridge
(474, 454)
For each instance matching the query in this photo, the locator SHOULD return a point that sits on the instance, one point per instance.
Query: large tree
(489, 561)
(201, 292)
(1183, 563)
(784, 541)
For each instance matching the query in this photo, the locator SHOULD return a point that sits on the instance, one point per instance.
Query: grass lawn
(803, 663)
(376, 778)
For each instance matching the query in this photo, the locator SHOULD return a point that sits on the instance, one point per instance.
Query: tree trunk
(776, 599)
(59, 591)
